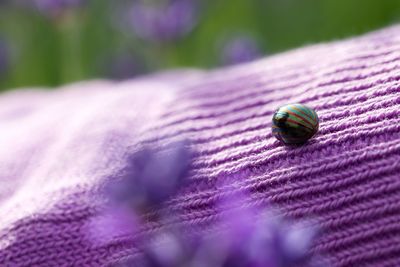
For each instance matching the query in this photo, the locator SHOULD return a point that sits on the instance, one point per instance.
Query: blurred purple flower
(243, 235)
(151, 177)
(163, 21)
(172, 249)
(246, 241)
(4, 2)
(56, 7)
(4, 57)
(276, 242)
(240, 49)
(123, 66)
(268, 242)
(241, 241)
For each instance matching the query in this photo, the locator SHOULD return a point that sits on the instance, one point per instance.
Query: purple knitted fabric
(58, 146)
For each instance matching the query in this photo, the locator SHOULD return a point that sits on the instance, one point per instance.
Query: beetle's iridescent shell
(294, 123)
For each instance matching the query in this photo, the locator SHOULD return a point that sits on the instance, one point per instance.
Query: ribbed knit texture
(57, 147)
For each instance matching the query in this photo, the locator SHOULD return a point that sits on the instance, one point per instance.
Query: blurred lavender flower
(240, 49)
(172, 249)
(123, 66)
(149, 179)
(4, 2)
(276, 242)
(270, 242)
(240, 237)
(242, 241)
(245, 241)
(56, 7)
(163, 21)
(4, 57)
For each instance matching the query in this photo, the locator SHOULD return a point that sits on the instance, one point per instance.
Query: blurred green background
(85, 42)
